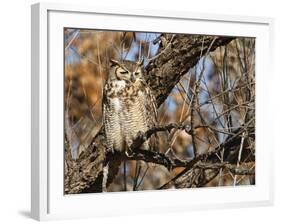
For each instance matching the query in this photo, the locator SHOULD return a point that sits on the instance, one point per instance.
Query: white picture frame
(47, 198)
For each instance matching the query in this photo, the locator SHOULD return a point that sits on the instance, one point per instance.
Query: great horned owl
(128, 108)
(128, 105)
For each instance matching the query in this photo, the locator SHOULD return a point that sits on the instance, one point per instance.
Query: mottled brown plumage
(128, 106)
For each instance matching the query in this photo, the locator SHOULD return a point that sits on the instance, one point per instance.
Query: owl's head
(129, 71)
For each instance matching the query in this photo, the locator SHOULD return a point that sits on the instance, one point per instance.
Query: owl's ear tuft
(114, 62)
(140, 62)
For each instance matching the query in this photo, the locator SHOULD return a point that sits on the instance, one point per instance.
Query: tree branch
(177, 57)
(171, 163)
(142, 137)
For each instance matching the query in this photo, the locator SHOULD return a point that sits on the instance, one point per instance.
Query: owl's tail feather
(110, 171)
(114, 167)
(105, 177)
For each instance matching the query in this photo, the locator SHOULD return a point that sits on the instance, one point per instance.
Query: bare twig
(72, 39)
(194, 99)
(164, 50)
(230, 167)
(125, 175)
(239, 156)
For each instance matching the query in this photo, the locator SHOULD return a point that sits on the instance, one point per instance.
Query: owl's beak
(133, 78)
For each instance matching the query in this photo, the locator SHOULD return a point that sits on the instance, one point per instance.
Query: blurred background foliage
(226, 100)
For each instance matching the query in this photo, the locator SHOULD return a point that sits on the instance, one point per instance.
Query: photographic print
(156, 111)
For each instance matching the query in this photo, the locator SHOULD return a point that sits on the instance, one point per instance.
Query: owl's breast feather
(116, 104)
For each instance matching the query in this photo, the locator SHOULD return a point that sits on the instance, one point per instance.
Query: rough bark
(84, 174)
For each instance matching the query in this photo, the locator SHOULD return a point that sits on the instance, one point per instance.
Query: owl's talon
(140, 134)
(129, 153)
